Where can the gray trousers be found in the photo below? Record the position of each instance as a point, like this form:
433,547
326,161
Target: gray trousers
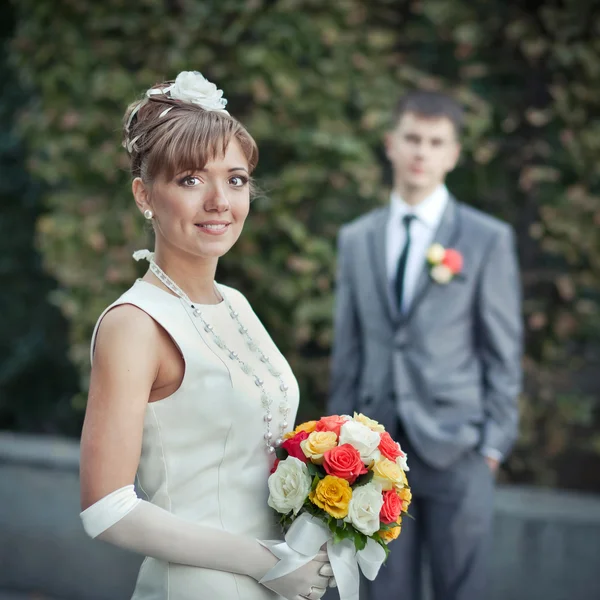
451,529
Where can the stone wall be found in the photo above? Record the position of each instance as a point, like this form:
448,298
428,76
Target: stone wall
547,544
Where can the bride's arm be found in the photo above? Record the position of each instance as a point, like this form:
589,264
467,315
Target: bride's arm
126,366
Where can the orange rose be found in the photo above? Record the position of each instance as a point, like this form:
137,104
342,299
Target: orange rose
453,260
388,447
333,423
344,461
392,507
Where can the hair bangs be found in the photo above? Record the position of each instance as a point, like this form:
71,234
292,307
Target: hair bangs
191,140
187,143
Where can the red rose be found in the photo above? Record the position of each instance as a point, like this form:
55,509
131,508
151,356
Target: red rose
389,448
392,507
453,260
277,461
333,423
344,462
292,446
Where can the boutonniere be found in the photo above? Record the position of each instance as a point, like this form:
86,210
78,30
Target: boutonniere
444,263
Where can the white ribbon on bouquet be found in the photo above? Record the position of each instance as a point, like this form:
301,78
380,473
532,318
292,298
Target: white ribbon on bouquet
304,540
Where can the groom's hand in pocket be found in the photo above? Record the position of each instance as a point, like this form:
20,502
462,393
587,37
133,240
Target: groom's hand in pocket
493,464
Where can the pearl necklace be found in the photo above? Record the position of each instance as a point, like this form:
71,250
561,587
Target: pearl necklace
266,399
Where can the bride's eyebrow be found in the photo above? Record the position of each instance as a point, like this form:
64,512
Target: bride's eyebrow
205,170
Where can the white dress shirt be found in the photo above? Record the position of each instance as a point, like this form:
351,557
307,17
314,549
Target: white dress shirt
428,215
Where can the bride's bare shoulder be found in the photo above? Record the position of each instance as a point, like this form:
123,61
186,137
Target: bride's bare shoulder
126,327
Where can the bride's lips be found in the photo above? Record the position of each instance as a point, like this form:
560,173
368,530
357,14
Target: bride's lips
213,227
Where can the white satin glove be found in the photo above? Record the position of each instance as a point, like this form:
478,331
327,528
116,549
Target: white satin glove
309,582
123,519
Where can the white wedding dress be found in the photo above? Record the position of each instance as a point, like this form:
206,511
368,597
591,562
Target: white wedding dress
203,452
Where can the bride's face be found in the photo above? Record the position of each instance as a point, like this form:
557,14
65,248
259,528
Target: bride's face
202,212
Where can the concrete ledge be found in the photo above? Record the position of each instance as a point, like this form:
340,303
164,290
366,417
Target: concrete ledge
547,542
540,504
51,452
44,551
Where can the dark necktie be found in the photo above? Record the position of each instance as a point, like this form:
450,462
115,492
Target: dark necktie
406,221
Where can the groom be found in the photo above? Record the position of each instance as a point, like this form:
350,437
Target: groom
427,341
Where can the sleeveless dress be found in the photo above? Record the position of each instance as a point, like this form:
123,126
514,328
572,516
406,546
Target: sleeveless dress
203,452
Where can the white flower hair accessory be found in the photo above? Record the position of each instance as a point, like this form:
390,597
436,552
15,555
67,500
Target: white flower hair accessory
194,88
190,87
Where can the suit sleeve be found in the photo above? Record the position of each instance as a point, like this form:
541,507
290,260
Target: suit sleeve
500,336
347,352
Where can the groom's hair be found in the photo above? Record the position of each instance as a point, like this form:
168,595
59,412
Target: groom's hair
425,103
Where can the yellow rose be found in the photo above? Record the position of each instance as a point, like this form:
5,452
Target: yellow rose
387,473
332,494
406,496
309,427
370,423
390,535
317,443
435,254
403,482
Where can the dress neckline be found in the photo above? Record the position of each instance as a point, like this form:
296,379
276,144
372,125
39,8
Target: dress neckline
178,299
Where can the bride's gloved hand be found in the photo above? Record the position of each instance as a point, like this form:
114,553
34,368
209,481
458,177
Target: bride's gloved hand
308,582
123,519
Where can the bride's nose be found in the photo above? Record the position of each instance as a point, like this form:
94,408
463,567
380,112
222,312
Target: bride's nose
217,200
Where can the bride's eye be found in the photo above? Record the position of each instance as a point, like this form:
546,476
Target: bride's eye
238,181
189,181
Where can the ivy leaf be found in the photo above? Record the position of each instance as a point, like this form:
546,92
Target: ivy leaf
340,534
363,479
281,453
313,470
360,540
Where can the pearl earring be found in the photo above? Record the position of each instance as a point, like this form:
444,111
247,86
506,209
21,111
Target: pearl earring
148,214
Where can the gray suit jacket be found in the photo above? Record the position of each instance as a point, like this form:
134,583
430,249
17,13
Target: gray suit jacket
451,367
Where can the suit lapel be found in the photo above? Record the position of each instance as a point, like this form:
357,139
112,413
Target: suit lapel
446,235
378,249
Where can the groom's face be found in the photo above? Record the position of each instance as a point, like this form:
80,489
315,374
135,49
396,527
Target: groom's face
422,150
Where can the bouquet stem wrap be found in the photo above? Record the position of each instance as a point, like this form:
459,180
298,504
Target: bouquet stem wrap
304,540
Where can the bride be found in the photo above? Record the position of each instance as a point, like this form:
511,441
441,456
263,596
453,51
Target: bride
188,392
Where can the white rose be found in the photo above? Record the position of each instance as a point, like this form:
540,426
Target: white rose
441,274
191,86
289,486
402,461
364,508
362,438
435,254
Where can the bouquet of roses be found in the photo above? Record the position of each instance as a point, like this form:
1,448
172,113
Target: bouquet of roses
345,479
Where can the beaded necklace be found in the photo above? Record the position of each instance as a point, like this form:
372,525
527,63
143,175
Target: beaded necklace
265,398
